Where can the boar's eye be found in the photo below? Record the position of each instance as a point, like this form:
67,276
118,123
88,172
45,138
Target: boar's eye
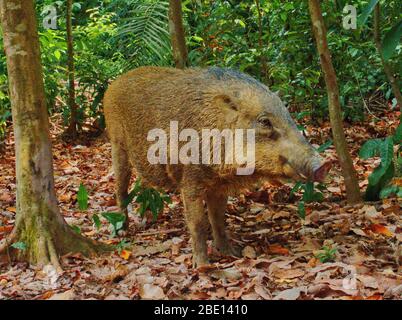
265,122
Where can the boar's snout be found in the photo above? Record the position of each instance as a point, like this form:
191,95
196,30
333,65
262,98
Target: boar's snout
314,170
321,171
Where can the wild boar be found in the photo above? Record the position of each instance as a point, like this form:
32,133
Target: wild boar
152,98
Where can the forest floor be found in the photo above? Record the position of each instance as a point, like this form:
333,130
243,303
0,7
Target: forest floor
280,249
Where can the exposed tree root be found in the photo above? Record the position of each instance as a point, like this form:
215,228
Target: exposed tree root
46,247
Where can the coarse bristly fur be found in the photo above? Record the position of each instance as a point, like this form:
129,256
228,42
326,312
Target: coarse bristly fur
215,98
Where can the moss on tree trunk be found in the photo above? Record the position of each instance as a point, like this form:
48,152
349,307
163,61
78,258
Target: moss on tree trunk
39,224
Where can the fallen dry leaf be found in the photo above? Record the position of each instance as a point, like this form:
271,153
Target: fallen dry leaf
151,292
290,294
249,252
277,249
125,254
380,229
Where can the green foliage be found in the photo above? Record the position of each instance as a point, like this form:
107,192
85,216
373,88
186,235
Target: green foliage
324,146
366,12
53,55
326,254
143,31
111,37
380,178
96,63
310,195
19,245
116,220
148,198
301,210
153,200
370,149
397,138
76,229
391,40
122,245
393,36
227,34
309,192
5,107
96,220
391,190
82,198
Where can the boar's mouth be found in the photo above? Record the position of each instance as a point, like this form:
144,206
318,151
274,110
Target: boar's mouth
321,171
315,170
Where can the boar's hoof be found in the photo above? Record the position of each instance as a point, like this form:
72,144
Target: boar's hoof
199,261
229,250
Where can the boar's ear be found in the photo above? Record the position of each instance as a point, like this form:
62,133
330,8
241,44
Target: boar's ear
226,102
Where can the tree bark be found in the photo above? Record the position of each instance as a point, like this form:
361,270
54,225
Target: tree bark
72,129
349,173
177,34
39,224
387,68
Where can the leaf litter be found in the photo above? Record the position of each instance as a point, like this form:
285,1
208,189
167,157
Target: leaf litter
279,248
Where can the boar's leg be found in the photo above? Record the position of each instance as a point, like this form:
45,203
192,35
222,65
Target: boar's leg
198,225
122,172
216,203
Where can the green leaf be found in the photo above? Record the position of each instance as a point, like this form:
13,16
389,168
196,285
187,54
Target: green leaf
295,188
96,220
324,146
82,198
370,148
122,245
386,150
326,254
57,54
390,190
308,192
301,115
76,229
391,40
366,12
116,219
153,200
301,210
133,193
76,6
310,195
398,135
19,246
373,189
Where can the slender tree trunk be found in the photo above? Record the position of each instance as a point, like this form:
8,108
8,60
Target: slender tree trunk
39,224
177,34
264,64
335,114
72,129
387,68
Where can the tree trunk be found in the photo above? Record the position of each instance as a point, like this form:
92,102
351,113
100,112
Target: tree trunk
349,173
39,224
72,129
176,28
387,68
263,59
